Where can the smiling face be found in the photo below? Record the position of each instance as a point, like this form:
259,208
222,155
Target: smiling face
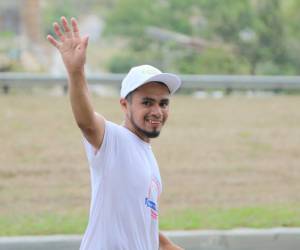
146,110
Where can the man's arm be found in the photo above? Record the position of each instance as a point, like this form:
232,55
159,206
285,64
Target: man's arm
166,244
72,48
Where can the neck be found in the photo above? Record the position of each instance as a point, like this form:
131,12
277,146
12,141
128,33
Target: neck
130,127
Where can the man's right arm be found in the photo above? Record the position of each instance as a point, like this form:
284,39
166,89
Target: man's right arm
90,123
72,48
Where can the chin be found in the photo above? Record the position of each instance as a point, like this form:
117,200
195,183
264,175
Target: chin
151,134
154,135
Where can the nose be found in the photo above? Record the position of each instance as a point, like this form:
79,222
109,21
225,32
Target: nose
156,111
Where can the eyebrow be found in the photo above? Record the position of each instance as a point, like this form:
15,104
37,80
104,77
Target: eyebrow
153,100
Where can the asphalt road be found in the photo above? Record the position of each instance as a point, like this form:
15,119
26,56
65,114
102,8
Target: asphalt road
238,239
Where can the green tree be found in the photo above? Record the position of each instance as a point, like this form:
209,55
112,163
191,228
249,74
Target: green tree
257,33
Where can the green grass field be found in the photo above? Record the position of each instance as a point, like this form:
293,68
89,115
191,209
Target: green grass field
187,219
226,163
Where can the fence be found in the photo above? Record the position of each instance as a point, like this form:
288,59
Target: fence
226,83
236,239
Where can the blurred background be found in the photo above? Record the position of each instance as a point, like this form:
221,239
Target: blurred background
190,37
229,155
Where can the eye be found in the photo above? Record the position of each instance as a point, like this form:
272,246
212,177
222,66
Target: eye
164,104
146,103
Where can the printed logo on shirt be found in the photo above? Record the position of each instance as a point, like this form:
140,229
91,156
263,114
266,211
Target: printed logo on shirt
152,198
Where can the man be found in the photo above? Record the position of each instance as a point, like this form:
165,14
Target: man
125,177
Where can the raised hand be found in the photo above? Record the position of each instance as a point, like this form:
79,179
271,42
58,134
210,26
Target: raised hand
71,46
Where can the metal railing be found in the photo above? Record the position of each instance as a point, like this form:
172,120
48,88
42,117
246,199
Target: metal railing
193,82
235,239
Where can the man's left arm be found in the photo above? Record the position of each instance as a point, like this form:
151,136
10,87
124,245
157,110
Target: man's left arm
166,244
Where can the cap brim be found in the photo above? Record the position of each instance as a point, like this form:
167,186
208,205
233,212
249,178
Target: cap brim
172,81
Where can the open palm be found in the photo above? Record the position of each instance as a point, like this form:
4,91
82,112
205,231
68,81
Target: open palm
71,46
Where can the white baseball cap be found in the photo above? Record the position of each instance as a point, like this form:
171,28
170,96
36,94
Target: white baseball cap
140,75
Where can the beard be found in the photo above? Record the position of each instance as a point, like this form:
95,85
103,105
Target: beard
149,134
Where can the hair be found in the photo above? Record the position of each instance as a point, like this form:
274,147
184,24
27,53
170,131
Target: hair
129,95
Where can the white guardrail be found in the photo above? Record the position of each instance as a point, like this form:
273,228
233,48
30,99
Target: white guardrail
235,239
196,82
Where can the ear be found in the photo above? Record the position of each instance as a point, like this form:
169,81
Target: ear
124,104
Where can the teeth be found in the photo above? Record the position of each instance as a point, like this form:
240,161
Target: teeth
154,122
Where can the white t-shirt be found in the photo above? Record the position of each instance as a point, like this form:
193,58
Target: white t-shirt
125,185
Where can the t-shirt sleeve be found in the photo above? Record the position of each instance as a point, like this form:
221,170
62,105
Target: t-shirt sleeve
97,157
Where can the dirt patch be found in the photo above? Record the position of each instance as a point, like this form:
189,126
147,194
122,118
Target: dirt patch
212,153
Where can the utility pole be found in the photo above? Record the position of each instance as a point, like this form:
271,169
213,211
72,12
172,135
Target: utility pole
31,21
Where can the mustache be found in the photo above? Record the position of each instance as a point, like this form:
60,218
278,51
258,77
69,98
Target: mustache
154,118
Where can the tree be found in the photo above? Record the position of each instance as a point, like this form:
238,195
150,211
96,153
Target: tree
250,33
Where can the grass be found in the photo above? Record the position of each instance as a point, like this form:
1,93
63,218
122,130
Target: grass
217,218
232,162
43,224
187,219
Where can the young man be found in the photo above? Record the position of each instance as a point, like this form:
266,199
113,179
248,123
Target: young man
125,177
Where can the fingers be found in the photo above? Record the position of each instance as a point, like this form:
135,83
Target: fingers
66,33
85,41
66,27
75,27
54,42
58,32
